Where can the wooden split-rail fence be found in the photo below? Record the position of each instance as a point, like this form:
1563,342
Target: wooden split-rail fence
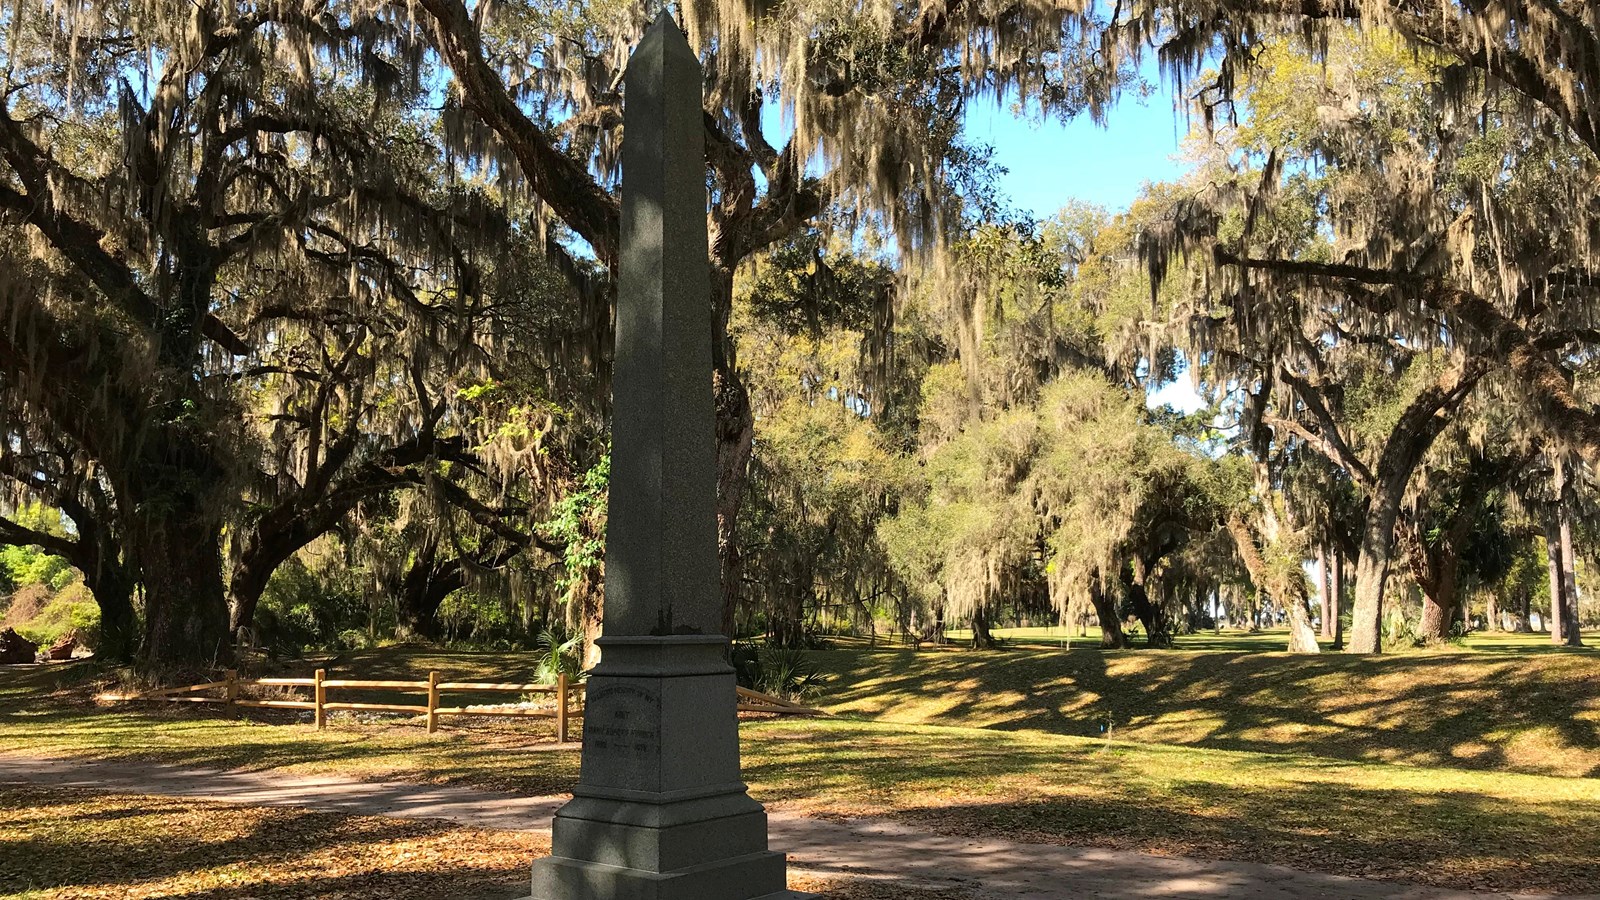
231,686
564,710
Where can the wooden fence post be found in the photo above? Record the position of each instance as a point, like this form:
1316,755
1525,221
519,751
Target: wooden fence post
231,689
433,702
561,708
321,697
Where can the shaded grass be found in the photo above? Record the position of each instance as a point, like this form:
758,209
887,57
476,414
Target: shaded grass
36,719
1476,710
1445,826
1494,707
1436,826
64,843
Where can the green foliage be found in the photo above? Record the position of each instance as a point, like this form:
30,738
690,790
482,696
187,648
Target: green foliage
781,672
22,566
559,654
803,283
577,521
479,619
70,609
314,601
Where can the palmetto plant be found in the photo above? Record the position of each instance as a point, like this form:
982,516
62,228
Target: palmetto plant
559,654
789,674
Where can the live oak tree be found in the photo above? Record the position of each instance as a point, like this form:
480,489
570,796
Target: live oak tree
1433,218
874,94
824,470
244,284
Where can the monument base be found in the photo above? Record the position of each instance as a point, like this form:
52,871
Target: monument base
739,878
659,812
705,848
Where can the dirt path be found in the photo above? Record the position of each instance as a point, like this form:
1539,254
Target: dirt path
859,848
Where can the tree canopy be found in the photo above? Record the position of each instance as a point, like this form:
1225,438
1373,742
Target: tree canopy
307,318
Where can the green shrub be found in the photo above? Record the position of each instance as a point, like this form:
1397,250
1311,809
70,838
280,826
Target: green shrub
559,654
313,601
71,609
790,674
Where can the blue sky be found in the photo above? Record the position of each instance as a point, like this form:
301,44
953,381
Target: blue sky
1050,163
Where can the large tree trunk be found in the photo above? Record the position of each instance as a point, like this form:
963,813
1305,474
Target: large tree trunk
982,637
1570,635
112,583
1555,621
1441,593
1157,632
1436,618
1302,637
1330,603
423,591
186,609
1373,565
1105,609
249,579
119,626
1338,599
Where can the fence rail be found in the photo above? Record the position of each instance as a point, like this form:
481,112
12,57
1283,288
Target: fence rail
564,710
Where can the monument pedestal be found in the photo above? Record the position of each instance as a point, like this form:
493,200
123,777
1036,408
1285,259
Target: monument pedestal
659,812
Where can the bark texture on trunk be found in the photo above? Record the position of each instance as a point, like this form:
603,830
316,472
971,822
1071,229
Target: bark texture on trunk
423,591
1325,584
1338,599
982,637
1158,633
1372,578
119,625
1302,637
1555,621
1105,609
186,609
1570,635
1297,605
1408,441
1436,620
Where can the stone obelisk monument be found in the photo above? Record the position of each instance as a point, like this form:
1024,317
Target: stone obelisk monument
659,812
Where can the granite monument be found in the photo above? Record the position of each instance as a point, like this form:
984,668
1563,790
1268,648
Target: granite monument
659,812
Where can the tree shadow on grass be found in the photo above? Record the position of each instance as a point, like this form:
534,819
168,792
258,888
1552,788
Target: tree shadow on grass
1460,841
182,735
1432,826
72,842
1474,711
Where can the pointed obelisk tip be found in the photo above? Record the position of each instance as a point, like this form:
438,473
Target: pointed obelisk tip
666,29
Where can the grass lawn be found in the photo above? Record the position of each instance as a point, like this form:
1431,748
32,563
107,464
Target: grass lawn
1431,824
1537,713
1481,709
68,844
1052,637
62,843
